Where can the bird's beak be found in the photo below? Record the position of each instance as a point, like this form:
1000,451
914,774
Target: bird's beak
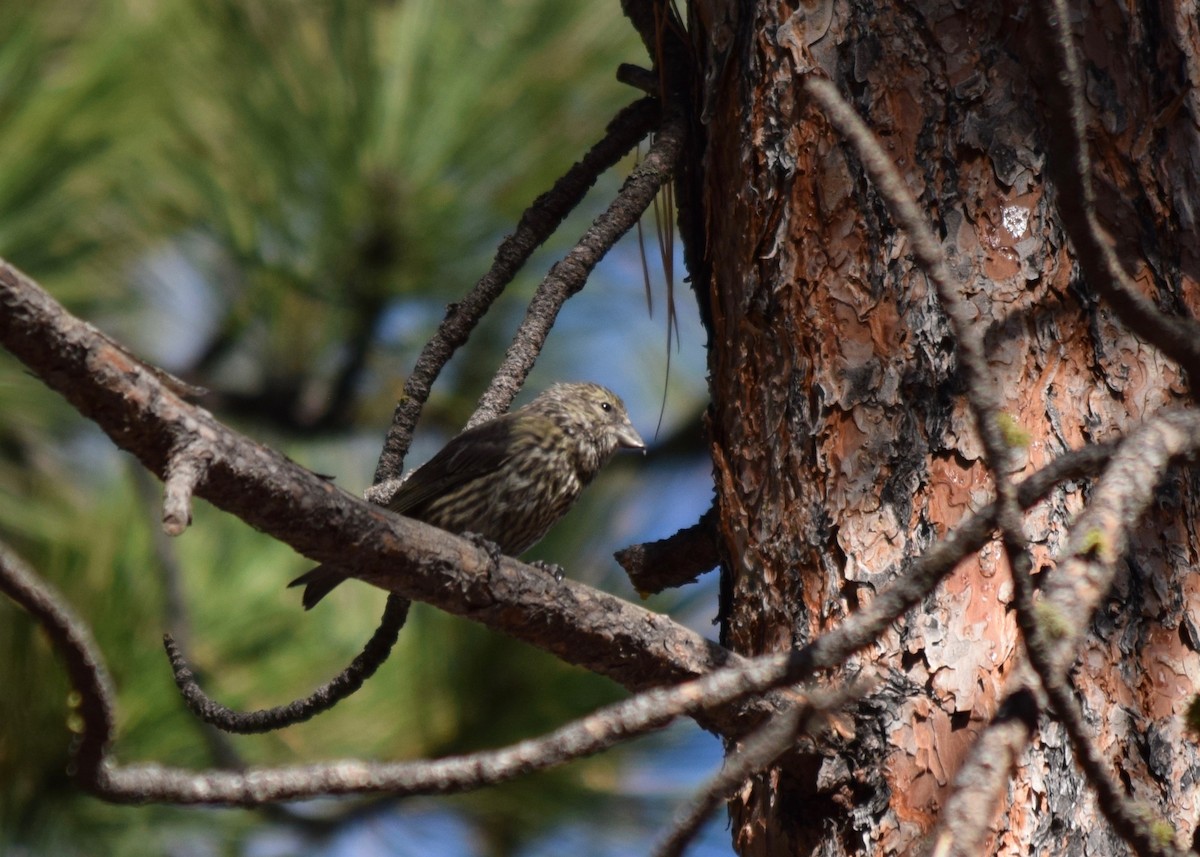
628,437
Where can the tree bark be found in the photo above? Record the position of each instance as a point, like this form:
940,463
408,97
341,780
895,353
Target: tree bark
842,441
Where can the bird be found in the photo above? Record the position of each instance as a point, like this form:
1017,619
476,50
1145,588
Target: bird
507,481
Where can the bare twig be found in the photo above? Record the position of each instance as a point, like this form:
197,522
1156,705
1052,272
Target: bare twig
986,404
175,608
71,636
185,468
349,680
981,782
536,225
1071,168
758,751
570,274
638,77
646,17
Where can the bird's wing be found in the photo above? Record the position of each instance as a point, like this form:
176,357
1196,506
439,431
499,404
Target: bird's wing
474,453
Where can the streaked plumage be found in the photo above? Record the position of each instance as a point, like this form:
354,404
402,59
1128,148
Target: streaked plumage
510,479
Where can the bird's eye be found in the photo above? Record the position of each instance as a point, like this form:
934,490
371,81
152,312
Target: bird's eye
606,406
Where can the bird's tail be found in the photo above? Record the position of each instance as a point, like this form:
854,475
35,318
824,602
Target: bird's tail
317,583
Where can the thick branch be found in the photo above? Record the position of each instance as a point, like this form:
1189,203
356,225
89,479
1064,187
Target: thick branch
674,561
277,496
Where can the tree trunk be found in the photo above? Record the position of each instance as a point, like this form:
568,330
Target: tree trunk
841,437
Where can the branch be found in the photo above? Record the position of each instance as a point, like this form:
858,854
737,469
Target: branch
758,752
97,772
986,404
536,225
186,467
981,782
293,505
71,636
705,698
1071,169
674,561
349,680
570,274
272,493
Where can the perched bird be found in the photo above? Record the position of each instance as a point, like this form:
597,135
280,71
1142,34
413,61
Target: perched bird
510,479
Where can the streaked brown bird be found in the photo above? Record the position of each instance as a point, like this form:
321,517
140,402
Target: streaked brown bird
510,479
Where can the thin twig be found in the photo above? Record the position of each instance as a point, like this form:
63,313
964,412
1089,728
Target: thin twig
1071,167
758,752
536,225
346,682
185,469
73,639
570,274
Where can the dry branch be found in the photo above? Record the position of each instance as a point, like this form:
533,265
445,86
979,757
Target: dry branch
326,524
537,223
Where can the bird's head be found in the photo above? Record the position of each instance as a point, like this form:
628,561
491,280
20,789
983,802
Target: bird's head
593,416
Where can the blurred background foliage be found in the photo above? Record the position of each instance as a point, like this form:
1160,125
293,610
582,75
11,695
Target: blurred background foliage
276,199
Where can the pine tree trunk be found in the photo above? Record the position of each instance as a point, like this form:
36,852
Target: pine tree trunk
842,440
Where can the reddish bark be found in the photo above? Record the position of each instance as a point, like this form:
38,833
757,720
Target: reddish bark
842,441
